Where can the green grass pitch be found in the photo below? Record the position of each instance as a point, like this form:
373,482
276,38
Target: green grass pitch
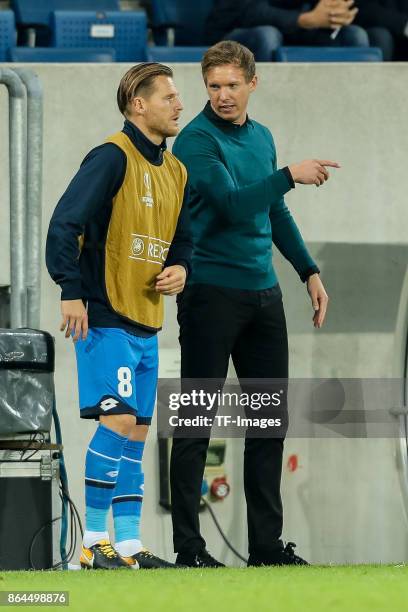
287,589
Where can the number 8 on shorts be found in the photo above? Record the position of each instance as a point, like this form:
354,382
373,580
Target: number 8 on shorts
125,382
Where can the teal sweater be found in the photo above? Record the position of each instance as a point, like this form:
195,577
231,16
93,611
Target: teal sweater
236,204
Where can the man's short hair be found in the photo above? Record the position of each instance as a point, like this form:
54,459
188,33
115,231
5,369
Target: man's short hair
139,81
229,52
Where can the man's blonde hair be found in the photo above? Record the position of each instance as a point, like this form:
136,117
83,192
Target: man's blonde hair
139,81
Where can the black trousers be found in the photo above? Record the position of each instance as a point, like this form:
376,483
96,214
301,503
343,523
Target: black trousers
250,326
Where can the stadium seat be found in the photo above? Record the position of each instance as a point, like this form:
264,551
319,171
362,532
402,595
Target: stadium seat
175,54
124,31
329,54
7,33
185,17
38,12
34,15
54,54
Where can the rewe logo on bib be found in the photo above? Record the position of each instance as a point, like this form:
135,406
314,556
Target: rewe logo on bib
149,249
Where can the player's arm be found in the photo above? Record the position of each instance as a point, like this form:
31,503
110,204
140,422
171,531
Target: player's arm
209,177
178,262
97,182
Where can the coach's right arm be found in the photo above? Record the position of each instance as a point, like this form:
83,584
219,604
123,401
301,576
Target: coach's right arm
209,177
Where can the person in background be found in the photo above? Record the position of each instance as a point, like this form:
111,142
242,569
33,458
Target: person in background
386,22
265,25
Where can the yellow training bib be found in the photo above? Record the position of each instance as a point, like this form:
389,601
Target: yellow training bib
143,222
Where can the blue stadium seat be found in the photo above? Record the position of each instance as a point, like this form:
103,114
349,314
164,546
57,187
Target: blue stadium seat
33,17
54,54
38,12
124,31
329,54
186,17
175,54
7,33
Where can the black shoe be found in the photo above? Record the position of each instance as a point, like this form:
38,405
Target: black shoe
147,560
199,559
285,556
101,555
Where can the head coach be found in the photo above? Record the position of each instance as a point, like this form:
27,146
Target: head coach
232,305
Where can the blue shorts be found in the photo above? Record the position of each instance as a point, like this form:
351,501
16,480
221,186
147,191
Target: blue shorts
117,374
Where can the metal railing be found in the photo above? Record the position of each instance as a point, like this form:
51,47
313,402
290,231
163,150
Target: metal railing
25,152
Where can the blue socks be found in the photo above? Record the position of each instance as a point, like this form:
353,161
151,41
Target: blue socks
101,474
127,500
114,476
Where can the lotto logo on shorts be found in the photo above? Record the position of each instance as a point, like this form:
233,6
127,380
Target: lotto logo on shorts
148,248
108,404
